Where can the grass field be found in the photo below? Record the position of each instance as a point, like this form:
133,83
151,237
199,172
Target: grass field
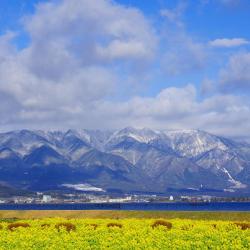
224,216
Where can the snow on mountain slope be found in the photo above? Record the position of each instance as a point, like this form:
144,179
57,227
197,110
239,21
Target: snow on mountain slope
23,141
235,184
131,143
129,149
191,143
144,135
83,187
44,156
220,159
6,153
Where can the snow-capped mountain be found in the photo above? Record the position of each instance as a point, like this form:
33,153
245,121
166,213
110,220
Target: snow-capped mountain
127,160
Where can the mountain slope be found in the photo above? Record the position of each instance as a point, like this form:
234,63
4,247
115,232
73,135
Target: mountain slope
110,172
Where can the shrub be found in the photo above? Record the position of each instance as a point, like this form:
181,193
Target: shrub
114,225
13,226
1,227
68,226
242,225
164,223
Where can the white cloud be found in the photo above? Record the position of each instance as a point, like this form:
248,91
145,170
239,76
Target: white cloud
175,15
228,43
79,55
118,49
208,86
182,54
6,48
236,75
180,108
84,26
77,49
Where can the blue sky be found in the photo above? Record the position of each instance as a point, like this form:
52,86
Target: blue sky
160,64
208,21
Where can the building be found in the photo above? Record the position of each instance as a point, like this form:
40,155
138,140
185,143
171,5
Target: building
47,198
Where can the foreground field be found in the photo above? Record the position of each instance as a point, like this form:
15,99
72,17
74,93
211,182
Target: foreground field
58,233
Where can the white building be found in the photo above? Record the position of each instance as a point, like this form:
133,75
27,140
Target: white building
46,198
126,199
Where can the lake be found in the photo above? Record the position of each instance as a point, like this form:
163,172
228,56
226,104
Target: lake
178,206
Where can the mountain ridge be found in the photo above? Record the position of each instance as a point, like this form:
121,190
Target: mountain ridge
154,160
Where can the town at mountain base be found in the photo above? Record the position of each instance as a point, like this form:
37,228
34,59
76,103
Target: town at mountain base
127,160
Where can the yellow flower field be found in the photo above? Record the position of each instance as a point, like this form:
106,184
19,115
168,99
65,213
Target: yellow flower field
119,234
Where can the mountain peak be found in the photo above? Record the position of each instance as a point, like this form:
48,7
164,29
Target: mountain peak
141,135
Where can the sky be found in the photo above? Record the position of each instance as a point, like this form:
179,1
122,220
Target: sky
102,64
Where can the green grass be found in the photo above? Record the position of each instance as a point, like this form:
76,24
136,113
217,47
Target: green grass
226,216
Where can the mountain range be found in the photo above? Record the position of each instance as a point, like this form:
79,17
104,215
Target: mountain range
127,160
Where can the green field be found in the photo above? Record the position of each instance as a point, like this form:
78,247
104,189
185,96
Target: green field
232,216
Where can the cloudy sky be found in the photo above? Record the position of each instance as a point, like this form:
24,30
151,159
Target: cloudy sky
102,64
